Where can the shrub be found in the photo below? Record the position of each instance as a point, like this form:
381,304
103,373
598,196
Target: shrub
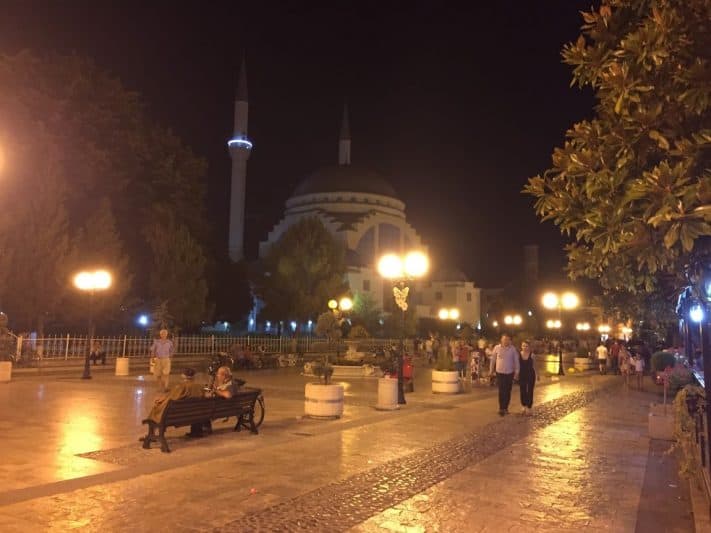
662,360
444,361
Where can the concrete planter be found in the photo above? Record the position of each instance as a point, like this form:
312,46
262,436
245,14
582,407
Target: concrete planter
5,371
323,401
661,424
445,382
122,366
583,363
387,394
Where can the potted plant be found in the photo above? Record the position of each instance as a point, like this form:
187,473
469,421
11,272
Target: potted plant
445,379
324,399
661,420
6,348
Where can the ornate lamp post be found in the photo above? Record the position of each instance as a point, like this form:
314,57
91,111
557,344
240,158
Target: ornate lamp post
90,282
400,270
567,301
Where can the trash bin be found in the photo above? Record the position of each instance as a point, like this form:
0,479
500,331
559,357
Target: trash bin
122,366
387,394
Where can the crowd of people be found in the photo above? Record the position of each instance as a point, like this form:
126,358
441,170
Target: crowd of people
619,358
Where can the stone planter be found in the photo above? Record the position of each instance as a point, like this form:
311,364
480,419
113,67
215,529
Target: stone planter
387,394
5,371
583,363
323,401
445,382
661,424
122,366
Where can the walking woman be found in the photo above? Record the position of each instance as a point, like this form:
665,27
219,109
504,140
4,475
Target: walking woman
527,377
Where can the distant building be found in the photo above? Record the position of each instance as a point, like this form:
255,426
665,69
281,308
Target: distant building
362,211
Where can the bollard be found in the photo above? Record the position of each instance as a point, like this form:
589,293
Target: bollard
122,366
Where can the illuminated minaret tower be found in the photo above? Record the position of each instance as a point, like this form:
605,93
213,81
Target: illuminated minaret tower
240,147
344,140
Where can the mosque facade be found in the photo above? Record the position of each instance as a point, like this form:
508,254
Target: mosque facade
363,213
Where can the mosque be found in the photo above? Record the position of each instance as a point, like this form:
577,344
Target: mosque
362,211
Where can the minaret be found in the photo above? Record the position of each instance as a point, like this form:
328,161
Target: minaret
240,147
344,140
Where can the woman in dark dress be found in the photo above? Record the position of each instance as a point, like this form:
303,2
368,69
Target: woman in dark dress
526,378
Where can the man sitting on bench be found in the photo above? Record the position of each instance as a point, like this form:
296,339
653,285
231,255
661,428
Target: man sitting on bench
223,387
186,389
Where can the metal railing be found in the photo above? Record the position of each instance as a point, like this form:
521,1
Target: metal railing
69,346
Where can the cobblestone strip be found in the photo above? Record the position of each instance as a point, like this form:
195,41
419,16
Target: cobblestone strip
346,503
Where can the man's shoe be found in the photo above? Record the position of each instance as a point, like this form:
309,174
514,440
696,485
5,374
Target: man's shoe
501,412
506,411
523,411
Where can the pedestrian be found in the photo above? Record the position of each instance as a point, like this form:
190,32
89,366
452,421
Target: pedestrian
461,354
505,362
97,353
624,359
162,352
639,370
527,377
615,356
428,349
601,352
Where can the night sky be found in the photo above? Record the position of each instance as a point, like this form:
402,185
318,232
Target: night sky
455,107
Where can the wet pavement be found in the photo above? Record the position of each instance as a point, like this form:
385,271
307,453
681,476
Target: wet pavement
442,463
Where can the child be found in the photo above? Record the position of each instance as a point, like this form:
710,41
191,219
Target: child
639,370
475,366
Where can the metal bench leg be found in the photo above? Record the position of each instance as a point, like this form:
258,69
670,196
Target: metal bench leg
252,426
239,424
163,443
149,437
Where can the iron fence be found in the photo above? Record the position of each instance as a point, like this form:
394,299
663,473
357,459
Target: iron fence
75,346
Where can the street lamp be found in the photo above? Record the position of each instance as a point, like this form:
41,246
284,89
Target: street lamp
568,300
400,270
340,308
448,314
582,326
513,320
90,282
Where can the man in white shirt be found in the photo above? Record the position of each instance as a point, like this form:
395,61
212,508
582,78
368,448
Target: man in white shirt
601,352
505,361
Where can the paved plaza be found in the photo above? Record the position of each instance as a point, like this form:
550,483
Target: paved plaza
583,461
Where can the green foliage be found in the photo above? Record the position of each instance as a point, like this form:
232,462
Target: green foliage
327,325
662,360
161,318
177,274
67,126
301,272
365,312
324,370
36,235
632,185
444,362
358,332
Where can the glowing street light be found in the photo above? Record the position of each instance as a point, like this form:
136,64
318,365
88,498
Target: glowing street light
345,304
568,300
400,270
582,326
90,282
513,320
448,314
553,324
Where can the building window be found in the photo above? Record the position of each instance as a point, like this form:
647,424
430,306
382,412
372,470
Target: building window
366,285
469,297
438,296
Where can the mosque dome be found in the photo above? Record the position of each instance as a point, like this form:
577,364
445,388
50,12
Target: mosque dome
344,178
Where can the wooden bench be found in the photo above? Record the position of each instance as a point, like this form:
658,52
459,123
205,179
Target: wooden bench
190,411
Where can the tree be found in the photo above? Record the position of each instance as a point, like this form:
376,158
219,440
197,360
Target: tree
102,145
632,186
327,325
366,313
35,233
177,273
301,273
98,245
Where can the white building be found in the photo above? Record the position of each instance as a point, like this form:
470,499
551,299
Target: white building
363,212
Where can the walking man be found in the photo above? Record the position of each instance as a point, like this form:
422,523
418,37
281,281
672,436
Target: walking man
504,360
162,350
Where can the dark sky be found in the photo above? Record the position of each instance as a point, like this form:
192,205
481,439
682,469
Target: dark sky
456,107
